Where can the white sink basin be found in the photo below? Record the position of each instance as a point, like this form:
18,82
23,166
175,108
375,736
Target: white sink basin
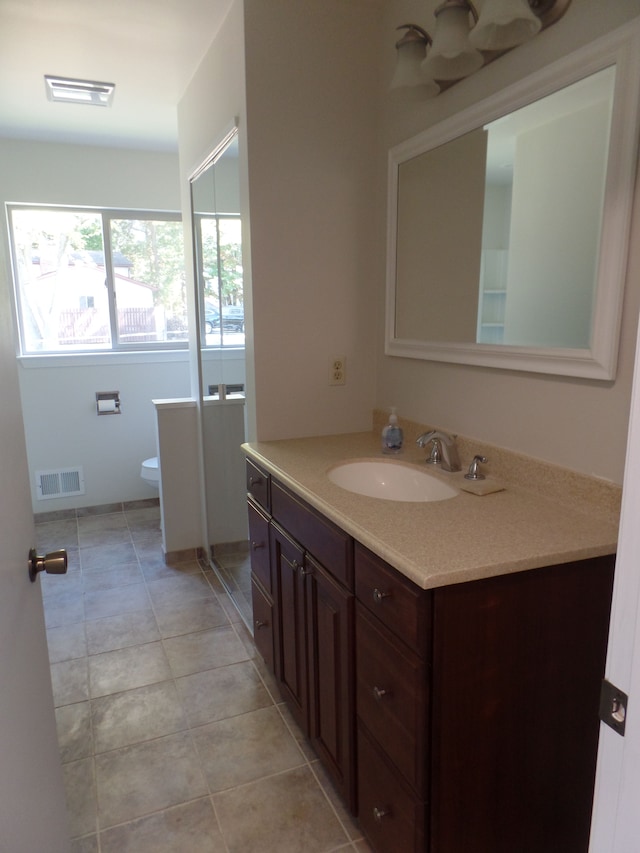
391,480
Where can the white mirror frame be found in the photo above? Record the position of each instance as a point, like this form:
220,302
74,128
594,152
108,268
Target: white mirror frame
622,49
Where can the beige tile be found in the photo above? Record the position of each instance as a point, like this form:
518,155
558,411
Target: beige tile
103,530
178,589
137,780
203,650
186,617
287,813
120,631
87,844
222,692
244,748
63,610
126,669
112,578
57,534
70,681
188,828
80,791
66,642
111,602
136,715
73,723
103,556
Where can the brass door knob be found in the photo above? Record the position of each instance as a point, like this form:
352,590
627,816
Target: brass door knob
53,563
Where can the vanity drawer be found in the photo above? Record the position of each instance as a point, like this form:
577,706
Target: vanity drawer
332,547
391,697
259,545
259,485
391,817
262,623
398,603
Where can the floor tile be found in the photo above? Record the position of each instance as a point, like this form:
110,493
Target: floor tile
113,577
186,617
87,844
111,602
223,692
136,715
118,632
64,610
280,814
66,642
80,790
203,650
189,828
57,534
178,589
70,681
244,748
137,780
126,669
103,530
73,723
103,556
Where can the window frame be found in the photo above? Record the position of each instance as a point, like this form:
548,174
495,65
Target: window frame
106,214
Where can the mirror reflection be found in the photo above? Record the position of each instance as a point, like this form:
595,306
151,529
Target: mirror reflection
498,230
216,222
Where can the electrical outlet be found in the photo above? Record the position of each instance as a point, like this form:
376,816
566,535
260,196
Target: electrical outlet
337,370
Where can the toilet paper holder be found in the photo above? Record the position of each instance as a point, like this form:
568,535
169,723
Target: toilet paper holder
108,402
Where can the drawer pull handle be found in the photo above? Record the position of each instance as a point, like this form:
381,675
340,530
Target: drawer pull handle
257,545
379,693
378,595
255,481
260,624
304,571
378,814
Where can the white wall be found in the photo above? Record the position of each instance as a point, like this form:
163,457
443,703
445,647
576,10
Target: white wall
577,423
61,424
312,84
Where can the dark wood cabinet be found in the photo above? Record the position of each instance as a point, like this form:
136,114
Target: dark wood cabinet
458,719
308,587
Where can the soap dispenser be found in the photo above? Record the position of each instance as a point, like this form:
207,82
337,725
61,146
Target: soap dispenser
392,436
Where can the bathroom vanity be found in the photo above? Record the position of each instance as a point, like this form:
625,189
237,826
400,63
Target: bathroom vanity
443,659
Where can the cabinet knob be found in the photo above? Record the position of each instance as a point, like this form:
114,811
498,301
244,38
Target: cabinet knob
257,545
258,624
378,595
255,481
378,814
380,692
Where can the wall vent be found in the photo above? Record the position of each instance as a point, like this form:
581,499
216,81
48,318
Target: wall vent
59,483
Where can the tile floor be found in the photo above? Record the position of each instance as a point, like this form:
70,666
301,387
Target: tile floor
172,735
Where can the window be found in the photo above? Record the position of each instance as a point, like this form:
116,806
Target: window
219,250
89,280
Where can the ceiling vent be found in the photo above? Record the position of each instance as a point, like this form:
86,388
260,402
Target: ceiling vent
70,91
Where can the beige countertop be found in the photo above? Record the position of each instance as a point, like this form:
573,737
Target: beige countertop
467,537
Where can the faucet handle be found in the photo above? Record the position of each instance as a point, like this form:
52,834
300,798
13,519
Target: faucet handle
474,472
435,456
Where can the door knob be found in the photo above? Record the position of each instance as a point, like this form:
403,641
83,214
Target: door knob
53,563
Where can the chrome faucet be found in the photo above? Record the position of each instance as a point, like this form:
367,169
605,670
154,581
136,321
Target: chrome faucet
444,451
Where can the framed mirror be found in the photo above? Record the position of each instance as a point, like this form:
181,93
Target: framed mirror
508,223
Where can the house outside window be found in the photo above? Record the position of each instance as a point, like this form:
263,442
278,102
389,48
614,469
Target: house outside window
89,280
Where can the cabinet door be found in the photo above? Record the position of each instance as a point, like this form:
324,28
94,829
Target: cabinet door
287,567
331,703
262,622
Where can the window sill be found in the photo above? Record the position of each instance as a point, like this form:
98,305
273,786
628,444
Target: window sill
95,359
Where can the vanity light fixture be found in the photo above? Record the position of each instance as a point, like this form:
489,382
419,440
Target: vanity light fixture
464,41
70,91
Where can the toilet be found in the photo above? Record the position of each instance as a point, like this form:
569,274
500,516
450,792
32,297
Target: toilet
150,473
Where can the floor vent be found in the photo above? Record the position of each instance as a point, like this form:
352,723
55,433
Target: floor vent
60,483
